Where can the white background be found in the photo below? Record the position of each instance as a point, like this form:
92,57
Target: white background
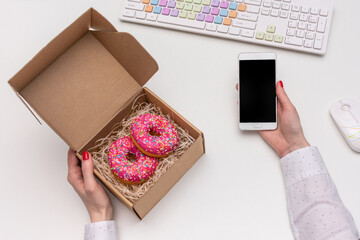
236,190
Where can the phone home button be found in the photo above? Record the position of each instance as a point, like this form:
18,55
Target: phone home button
257,125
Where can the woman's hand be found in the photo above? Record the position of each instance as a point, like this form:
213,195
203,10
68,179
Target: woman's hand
82,179
289,135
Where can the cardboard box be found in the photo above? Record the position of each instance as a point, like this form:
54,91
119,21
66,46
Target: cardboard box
86,80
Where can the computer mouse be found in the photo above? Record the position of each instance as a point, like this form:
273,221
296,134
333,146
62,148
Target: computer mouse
346,115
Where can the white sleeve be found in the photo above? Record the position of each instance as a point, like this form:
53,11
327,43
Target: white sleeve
105,230
315,208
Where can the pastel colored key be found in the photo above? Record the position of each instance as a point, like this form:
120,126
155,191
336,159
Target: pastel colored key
197,8
171,4
242,7
206,2
215,11
149,8
145,1
271,28
218,20
188,1
227,21
183,14
260,35
200,17
279,38
233,6
180,5
188,7
224,12
206,9
163,3
154,2
224,4
269,36
215,3
209,18
174,13
157,10
191,15
233,14
180,0
166,11
197,1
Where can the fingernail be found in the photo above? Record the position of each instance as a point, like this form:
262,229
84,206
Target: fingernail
86,155
281,84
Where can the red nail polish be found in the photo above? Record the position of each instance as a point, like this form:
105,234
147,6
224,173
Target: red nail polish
86,155
281,84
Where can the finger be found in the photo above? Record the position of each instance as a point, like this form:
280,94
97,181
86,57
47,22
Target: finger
237,87
72,161
87,168
282,96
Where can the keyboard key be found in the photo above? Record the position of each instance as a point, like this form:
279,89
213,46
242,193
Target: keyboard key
234,31
154,2
218,20
242,7
244,24
314,11
323,12
206,2
223,29
180,5
163,3
276,5
166,11
300,33
292,24
224,4
211,27
171,4
215,3
191,15
248,17
215,11
247,33
174,13
294,16
287,1
227,21
301,25
206,10
188,7
308,43
305,9
140,15
290,32
303,17
209,18
283,14
224,12
233,14
267,3
181,22
265,11
279,38
311,27
274,12
313,19
294,41
318,41
309,35
149,8
295,8
253,2
135,1
129,13
188,1
252,9
183,14
269,36
151,17
285,6
197,8
260,35
233,6
197,1
271,28
157,10
134,6
321,25
200,17
145,1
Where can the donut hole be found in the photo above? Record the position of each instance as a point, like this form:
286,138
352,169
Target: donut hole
131,157
154,133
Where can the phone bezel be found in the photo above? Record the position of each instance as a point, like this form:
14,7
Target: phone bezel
257,125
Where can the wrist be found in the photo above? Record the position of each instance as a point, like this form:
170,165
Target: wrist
101,215
300,143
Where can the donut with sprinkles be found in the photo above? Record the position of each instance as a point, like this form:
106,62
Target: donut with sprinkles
154,135
127,171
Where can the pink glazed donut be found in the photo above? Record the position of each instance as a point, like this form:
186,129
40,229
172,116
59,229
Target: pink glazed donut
154,135
125,170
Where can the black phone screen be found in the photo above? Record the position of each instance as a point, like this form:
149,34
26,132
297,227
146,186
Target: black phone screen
257,91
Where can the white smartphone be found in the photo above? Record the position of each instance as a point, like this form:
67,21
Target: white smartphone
257,91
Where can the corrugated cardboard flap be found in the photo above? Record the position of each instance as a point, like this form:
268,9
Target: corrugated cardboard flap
84,77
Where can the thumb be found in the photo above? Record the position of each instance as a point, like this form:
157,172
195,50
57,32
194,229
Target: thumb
282,96
87,168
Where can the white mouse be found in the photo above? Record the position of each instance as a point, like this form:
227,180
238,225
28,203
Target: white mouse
346,114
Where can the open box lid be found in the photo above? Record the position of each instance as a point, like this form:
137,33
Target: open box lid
83,78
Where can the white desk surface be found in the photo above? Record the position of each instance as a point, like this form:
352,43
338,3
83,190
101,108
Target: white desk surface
236,190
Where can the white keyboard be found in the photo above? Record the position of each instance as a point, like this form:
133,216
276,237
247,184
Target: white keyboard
301,25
